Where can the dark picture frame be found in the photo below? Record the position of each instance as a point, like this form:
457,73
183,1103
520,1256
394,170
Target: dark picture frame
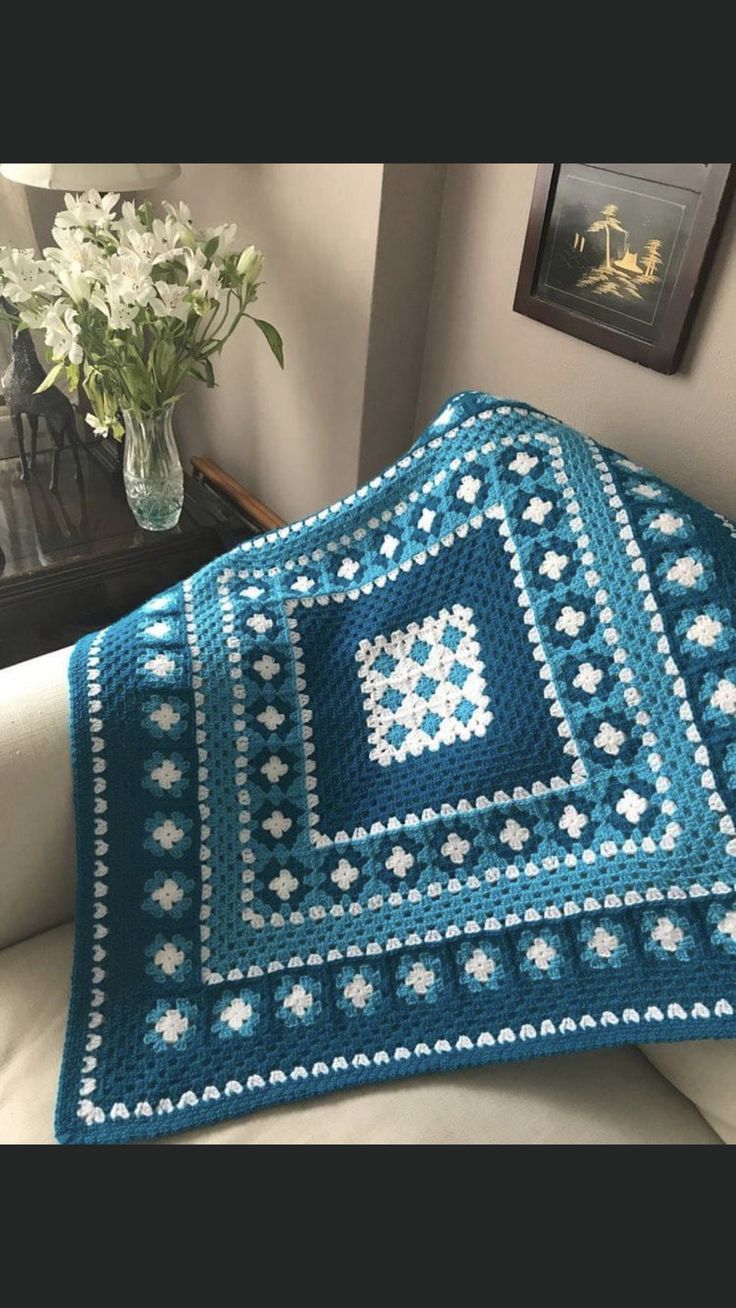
618,254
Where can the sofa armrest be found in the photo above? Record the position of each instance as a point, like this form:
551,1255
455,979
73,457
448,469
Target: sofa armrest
37,858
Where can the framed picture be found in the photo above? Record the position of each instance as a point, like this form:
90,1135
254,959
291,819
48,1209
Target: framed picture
617,254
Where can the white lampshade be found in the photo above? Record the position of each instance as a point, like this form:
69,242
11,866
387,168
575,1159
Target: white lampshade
85,176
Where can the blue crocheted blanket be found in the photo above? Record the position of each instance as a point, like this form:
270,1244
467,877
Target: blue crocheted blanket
443,775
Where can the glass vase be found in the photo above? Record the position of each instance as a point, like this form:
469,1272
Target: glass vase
152,471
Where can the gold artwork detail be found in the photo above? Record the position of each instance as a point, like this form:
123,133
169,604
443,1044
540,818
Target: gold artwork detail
623,270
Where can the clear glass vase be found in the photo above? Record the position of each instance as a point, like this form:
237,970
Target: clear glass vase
152,471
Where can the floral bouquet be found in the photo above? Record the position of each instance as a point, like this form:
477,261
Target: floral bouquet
131,306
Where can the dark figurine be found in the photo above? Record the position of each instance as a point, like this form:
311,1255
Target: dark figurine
20,380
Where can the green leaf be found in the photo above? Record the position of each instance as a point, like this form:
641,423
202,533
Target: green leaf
209,372
211,246
72,375
49,379
273,338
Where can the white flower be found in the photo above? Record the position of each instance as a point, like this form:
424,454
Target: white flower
570,621
685,571
171,302
168,894
420,979
161,665
252,592
344,874
259,623
727,924
24,276
271,718
225,233
389,546
62,335
284,884
358,991
299,1000
171,1025
348,569
480,965
399,861
166,774
210,287
514,835
250,264
541,953
632,806
425,520
572,822
167,834
667,523
129,279
99,427
553,565
277,824
704,631
724,696
609,738
667,935
87,210
523,463
237,1014
455,848
536,510
165,717
302,584
587,678
169,958
603,942
274,768
267,667
649,492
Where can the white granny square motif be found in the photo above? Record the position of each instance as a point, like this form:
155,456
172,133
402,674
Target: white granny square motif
423,686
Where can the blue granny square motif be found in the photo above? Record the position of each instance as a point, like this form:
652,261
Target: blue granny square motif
443,775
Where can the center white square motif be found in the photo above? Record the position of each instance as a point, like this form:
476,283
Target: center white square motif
423,686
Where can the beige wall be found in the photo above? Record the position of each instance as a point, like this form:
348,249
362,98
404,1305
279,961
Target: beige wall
682,426
292,437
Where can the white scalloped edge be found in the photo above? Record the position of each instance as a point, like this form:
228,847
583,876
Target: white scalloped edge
524,1032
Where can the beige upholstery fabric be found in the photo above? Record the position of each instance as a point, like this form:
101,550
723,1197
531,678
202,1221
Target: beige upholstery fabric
705,1071
609,1097
36,822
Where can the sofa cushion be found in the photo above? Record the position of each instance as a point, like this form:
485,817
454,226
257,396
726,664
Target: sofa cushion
607,1097
36,811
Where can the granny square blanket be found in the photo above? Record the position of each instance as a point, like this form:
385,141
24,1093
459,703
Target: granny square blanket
443,775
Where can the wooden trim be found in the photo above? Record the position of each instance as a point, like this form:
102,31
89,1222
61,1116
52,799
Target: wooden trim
258,513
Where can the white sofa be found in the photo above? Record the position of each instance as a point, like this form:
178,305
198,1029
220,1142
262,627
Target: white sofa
663,1094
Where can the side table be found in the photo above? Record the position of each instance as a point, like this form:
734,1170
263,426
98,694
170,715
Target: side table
76,560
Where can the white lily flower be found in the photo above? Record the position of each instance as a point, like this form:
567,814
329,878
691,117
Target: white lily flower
87,210
196,265
225,234
171,302
98,427
61,335
209,287
25,276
